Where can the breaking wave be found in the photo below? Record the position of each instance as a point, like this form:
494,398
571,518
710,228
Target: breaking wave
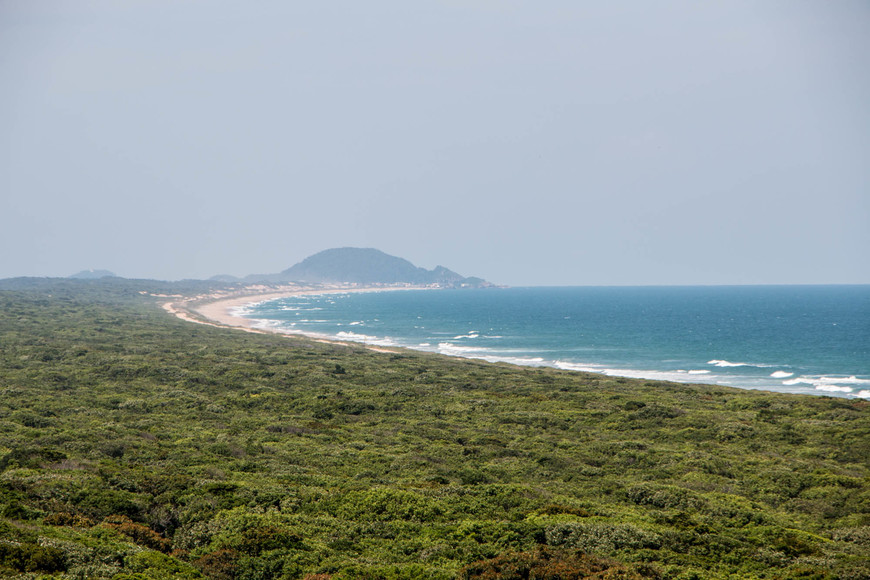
595,330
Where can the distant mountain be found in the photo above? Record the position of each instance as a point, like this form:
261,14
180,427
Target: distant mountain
93,275
366,266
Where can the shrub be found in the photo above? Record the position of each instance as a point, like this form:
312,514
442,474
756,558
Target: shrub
67,519
546,564
33,457
665,497
28,557
254,541
100,502
141,535
394,572
859,535
219,565
148,565
601,537
385,504
555,509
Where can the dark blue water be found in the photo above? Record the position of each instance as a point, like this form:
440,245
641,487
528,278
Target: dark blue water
798,339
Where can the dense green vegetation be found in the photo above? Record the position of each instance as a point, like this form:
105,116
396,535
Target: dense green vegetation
135,445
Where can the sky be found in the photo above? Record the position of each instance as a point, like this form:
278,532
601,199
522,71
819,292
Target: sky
529,143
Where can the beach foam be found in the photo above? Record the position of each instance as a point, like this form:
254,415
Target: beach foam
781,374
366,338
853,380
678,376
457,350
833,389
569,366
831,384
725,363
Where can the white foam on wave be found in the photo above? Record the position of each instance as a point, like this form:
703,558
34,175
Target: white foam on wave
471,334
678,376
567,366
781,374
830,384
853,380
456,349
354,336
485,354
366,338
725,363
514,360
242,311
356,323
833,389
265,323
817,380
865,394
249,307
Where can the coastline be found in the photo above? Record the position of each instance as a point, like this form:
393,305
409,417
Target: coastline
217,309
223,309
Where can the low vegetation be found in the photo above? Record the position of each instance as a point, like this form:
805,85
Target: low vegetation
134,446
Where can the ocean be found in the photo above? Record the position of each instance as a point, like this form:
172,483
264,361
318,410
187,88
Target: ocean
794,339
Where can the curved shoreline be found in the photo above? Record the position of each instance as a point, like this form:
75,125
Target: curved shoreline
217,309
220,309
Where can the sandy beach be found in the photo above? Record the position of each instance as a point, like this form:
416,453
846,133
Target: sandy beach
218,309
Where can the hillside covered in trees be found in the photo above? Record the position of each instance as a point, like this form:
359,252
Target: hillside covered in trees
134,445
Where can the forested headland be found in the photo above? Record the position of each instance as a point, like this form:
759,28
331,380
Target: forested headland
134,445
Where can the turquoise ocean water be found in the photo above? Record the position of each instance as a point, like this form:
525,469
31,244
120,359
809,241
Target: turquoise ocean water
796,339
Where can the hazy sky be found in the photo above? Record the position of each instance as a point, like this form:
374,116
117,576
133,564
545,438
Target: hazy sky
530,143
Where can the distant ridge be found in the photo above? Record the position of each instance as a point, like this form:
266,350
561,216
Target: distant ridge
366,266
224,278
93,275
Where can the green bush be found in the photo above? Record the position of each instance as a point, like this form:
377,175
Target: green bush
29,557
385,504
549,564
596,537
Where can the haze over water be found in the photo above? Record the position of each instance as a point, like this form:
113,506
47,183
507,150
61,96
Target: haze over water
796,339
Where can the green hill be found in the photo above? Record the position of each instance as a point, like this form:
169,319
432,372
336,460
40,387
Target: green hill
93,274
134,445
366,266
